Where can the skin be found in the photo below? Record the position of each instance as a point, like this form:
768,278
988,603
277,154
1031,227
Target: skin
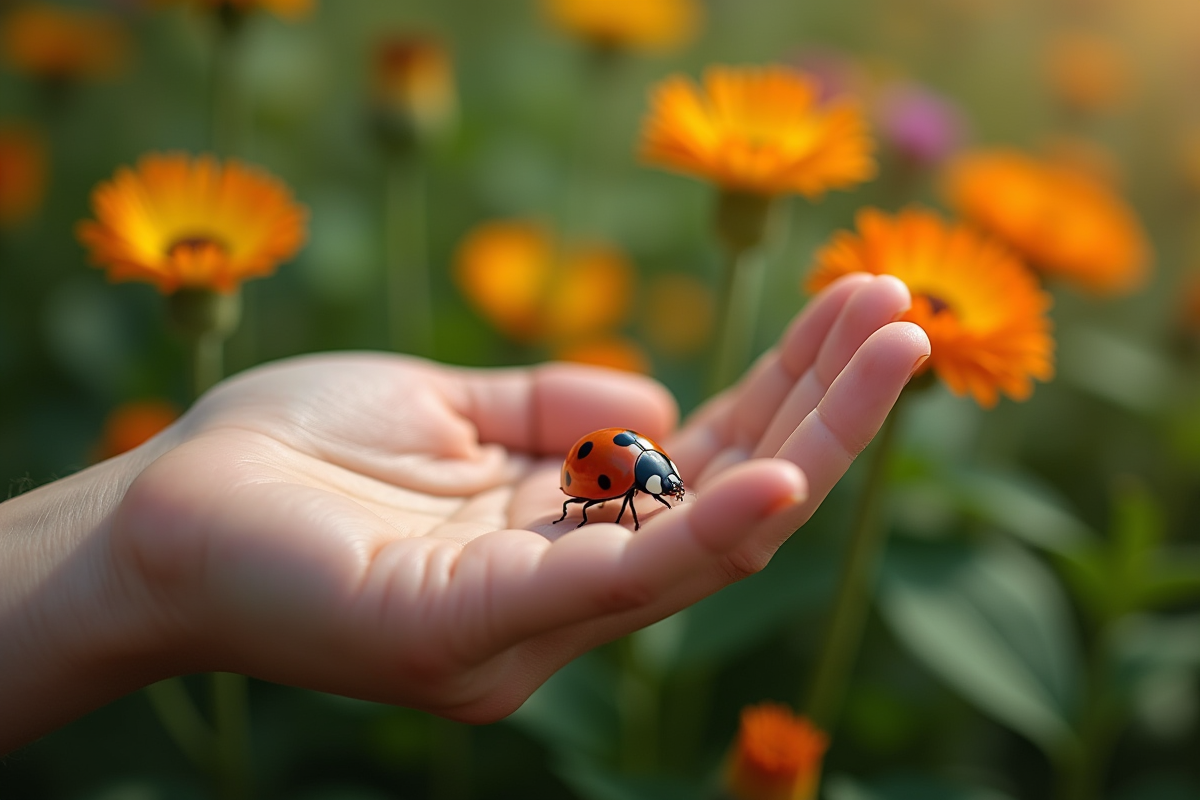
380,526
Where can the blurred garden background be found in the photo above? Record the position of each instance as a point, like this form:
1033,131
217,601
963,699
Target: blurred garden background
1034,630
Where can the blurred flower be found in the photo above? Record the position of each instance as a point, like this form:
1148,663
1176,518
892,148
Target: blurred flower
177,221
632,24
757,130
1086,72
515,275
981,307
287,9
679,314
414,88
131,424
615,352
776,756
22,173
60,43
921,125
1065,222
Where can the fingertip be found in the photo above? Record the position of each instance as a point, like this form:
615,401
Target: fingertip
897,288
745,495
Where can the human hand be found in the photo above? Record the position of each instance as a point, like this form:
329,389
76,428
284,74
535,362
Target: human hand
380,526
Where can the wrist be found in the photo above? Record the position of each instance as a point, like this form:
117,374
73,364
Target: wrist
73,634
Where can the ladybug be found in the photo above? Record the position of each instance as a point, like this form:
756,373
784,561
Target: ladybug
616,462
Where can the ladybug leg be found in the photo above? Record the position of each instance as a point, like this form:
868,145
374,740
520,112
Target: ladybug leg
659,498
567,503
624,503
633,508
586,505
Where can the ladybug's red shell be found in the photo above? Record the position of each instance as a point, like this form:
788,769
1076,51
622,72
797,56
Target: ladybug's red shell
598,468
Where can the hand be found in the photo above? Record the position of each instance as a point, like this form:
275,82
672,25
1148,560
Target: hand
381,527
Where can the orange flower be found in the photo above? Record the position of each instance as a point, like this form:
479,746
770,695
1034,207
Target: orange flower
615,352
982,309
1064,221
131,424
515,275
177,221
414,84
64,43
634,24
777,755
1087,72
22,173
757,130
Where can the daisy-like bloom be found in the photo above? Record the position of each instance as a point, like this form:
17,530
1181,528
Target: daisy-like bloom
131,424
414,85
984,312
627,24
1065,222
178,221
22,173
1086,72
516,275
60,43
757,130
777,755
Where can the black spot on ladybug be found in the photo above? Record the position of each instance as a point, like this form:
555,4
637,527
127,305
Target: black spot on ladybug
623,439
605,482
584,449
568,479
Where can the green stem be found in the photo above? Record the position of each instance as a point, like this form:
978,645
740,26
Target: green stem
231,716
409,297
848,617
208,362
1080,766
182,721
638,698
741,296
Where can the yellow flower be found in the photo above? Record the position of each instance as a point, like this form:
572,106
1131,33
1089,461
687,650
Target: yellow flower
983,310
1087,72
516,276
777,755
60,43
1064,221
22,173
757,130
414,84
131,424
633,24
178,222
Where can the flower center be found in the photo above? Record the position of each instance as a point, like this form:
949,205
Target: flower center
936,304
194,245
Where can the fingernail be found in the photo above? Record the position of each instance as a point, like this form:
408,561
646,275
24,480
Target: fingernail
917,366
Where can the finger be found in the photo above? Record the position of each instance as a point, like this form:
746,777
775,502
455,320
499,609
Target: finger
715,425
849,415
602,569
545,409
872,306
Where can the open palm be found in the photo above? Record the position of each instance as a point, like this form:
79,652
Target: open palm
381,526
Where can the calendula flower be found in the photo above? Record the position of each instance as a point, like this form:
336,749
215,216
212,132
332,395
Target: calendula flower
615,352
758,130
62,43
777,755
1086,72
1065,222
627,24
177,221
519,278
131,424
413,87
22,173
983,310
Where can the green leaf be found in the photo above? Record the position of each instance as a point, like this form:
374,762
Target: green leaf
1022,506
993,623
